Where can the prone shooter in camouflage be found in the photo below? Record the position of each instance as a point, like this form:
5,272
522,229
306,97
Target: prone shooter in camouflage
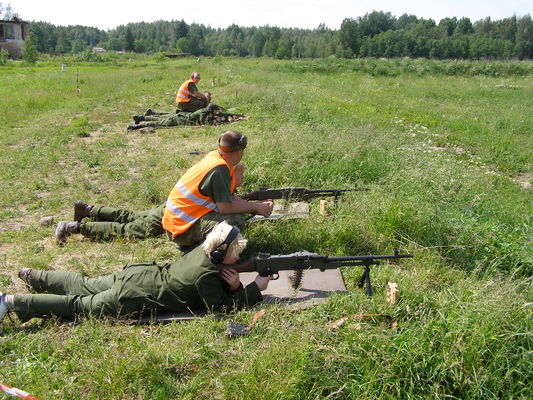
202,279
203,116
209,115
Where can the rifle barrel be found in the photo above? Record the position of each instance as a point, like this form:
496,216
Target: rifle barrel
367,258
333,191
295,192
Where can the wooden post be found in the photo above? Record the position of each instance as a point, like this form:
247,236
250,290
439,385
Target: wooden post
324,207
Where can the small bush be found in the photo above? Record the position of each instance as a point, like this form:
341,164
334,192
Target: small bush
88,55
4,56
80,126
160,57
30,55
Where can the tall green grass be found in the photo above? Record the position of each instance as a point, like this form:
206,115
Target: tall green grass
443,154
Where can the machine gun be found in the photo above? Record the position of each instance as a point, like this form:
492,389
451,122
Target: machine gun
297,193
230,117
224,114
270,265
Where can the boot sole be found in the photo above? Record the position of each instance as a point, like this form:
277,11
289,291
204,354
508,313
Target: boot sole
59,235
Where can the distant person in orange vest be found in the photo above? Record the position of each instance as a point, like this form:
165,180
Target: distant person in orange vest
188,97
203,196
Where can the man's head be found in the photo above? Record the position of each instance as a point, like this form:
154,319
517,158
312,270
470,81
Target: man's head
195,76
232,141
216,238
231,145
208,96
213,108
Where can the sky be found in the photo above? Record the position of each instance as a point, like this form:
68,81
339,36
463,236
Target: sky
307,14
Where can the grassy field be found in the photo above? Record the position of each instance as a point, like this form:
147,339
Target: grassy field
448,160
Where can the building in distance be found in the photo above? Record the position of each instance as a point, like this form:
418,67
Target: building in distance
13,33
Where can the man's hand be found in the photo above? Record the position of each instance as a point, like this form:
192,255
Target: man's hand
240,206
262,281
264,207
200,96
231,277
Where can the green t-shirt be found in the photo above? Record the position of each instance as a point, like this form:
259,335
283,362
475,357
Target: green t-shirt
191,87
217,184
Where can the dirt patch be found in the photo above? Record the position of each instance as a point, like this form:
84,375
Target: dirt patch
525,180
18,223
459,150
103,131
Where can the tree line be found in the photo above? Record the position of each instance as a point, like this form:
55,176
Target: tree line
376,34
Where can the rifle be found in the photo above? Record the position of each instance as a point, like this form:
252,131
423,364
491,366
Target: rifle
222,114
266,264
227,116
297,193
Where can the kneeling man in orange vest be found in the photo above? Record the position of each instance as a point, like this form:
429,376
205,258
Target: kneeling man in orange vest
203,196
188,98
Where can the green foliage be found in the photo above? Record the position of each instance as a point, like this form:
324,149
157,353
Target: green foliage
80,126
161,57
282,53
4,57
89,56
129,40
376,34
30,55
183,45
419,67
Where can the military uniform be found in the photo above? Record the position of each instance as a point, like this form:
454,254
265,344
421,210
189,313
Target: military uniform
110,222
203,116
190,283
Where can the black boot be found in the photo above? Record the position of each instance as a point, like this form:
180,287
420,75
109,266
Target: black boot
138,118
134,127
65,229
149,112
81,210
29,279
24,275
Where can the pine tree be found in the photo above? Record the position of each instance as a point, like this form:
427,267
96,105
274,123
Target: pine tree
129,40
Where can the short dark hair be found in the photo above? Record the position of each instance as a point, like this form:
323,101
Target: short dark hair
213,107
231,141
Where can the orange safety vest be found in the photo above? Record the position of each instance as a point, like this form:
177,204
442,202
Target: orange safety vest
184,95
185,204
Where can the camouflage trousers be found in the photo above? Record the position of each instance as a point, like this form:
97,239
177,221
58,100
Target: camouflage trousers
169,120
192,105
133,290
109,222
